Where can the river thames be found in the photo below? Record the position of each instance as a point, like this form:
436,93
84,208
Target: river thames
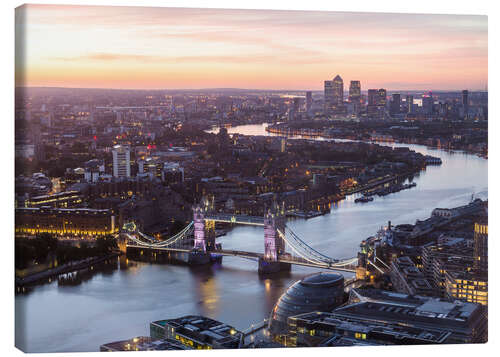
120,303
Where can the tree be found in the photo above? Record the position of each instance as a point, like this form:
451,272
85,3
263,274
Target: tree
49,240
105,244
24,253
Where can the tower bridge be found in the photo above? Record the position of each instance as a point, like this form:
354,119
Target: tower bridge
196,243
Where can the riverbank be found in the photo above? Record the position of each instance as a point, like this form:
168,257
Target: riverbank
379,182
51,273
309,133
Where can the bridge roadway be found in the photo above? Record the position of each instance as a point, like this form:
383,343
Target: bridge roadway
239,219
254,256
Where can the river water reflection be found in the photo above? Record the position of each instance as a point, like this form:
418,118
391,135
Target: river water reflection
120,304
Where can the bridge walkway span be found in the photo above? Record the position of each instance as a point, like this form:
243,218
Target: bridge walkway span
252,256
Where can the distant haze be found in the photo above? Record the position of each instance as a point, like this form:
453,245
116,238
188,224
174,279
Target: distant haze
167,48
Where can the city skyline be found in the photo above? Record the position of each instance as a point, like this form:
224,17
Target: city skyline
179,48
198,179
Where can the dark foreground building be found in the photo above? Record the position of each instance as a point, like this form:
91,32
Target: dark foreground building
467,322
197,332
328,329
142,343
379,317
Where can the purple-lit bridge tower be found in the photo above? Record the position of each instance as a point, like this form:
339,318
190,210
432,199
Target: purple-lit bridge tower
204,234
274,244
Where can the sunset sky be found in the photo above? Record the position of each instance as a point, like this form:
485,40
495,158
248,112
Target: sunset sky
168,48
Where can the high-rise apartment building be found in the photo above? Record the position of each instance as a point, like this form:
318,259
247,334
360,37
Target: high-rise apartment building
121,161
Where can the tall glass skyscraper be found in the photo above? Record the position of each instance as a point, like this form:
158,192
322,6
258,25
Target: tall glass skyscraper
334,94
355,91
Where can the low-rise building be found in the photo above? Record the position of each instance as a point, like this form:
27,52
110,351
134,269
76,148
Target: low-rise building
197,332
408,279
329,329
60,200
467,286
142,343
76,222
467,322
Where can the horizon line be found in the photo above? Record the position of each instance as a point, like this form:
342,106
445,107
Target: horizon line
247,89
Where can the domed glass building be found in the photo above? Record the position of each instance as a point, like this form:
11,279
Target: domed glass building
316,292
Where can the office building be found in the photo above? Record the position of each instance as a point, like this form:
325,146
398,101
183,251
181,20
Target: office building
296,104
408,279
467,286
355,96
329,329
465,101
355,91
121,161
449,255
372,96
62,199
67,222
396,103
450,268
328,94
377,100
309,101
197,332
338,90
143,343
93,170
409,104
172,173
481,247
466,321
153,167
427,104
334,95
382,97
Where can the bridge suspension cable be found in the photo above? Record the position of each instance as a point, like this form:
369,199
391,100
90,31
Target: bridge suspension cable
310,254
174,239
297,250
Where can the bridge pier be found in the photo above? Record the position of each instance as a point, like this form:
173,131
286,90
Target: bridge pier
272,267
198,258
